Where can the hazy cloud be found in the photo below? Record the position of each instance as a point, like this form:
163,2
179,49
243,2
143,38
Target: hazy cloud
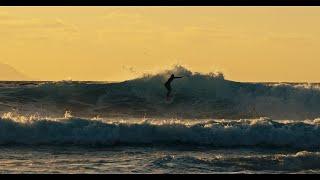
4,16
293,38
34,28
144,26
37,24
119,17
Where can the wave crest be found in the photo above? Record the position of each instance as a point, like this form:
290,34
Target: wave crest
195,96
215,133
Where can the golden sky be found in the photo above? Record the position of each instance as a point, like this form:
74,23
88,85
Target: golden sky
117,43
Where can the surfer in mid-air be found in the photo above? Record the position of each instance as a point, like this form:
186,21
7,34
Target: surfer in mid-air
168,84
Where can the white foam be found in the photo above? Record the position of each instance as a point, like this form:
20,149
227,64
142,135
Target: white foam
223,133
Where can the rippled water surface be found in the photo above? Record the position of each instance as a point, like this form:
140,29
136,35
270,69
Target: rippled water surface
122,159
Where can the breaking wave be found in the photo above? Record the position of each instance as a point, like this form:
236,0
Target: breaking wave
195,96
70,130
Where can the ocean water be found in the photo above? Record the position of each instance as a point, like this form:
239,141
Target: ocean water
159,160
212,125
75,145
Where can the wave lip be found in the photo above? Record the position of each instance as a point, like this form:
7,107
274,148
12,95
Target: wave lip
212,133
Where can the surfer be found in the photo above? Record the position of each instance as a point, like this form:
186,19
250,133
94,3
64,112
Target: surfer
168,84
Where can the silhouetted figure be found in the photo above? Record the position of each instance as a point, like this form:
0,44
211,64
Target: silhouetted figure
168,84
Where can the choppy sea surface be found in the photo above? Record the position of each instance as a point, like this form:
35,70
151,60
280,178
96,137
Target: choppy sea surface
211,125
128,159
77,145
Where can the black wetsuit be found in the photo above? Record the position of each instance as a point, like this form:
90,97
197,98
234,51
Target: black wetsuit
168,84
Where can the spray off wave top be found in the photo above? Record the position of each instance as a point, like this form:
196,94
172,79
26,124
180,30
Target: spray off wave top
195,96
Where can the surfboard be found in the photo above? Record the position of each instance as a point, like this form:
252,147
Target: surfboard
169,99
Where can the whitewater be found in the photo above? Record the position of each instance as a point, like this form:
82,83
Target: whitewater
212,125
170,132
